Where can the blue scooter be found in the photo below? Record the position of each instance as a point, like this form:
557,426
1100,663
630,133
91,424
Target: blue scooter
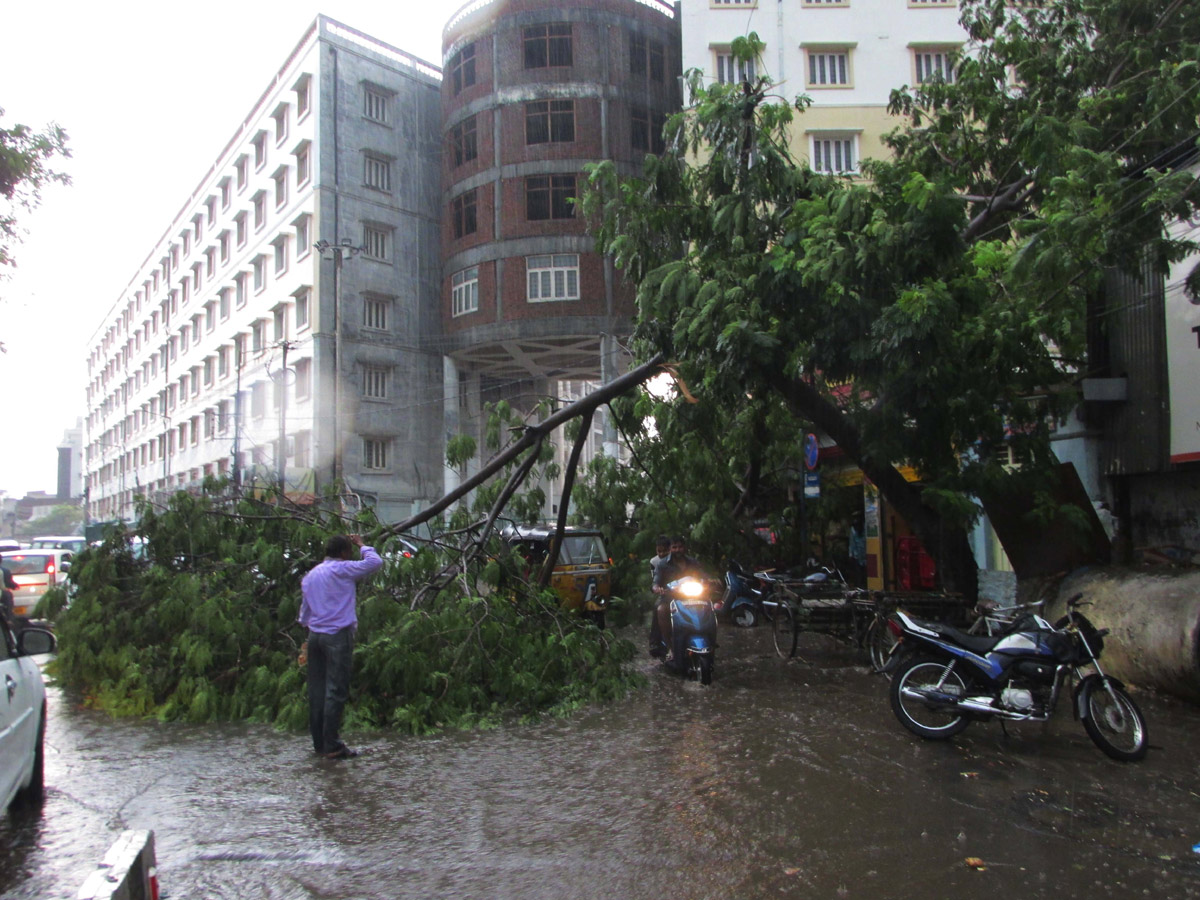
693,629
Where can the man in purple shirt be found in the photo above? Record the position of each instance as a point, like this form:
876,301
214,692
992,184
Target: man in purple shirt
327,611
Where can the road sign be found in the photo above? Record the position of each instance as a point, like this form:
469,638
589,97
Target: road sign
811,451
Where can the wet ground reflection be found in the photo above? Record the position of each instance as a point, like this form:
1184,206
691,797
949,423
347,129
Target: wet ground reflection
782,780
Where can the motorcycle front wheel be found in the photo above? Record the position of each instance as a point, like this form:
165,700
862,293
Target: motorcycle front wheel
706,669
921,691
1114,722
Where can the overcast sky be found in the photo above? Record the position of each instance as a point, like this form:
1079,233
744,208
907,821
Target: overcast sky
149,93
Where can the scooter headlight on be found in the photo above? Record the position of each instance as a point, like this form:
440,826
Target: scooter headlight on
691,589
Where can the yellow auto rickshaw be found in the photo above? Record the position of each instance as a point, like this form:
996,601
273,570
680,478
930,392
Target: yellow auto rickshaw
582,577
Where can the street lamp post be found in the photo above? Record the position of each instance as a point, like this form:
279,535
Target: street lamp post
340,251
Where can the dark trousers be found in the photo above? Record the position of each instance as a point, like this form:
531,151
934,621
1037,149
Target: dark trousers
329,657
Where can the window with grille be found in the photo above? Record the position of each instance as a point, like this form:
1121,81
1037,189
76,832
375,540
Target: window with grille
303,378
549,121
375,242
462,69
828,67
933,63
260,210
375,382
375,453
303,159
462,209
375,312
826,2
833,154
302,297
375,104
932,2
553,277
377,173
260,149
549,197
464,291
462,141
731,70
547,45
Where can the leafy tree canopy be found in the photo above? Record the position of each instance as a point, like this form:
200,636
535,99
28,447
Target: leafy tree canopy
25,160
932,311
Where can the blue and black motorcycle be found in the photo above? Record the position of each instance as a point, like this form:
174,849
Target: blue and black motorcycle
693,629
947,678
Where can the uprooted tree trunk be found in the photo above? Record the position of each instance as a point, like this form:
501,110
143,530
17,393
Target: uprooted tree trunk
530,442
949,546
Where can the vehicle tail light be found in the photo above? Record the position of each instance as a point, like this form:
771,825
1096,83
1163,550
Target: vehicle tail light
894,628
406,554
49,567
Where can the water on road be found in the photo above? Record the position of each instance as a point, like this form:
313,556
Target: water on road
781,780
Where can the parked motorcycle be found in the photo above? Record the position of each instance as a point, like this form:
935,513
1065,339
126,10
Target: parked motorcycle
693,629
744,593
947,678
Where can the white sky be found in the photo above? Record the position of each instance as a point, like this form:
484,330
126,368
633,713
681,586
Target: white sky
149,93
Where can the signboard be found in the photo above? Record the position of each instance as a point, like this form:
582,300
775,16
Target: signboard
812,485
811,451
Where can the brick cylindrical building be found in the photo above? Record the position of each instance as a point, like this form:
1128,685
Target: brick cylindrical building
532,91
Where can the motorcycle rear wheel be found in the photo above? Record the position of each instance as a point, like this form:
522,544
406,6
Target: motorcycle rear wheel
921,717
1115,726
744,617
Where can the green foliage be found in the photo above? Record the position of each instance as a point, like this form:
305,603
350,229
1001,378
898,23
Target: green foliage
200,625
933,313
25,158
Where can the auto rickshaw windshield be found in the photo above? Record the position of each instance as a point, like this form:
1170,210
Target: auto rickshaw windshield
582,550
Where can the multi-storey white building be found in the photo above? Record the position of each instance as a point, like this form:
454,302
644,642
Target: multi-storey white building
275,329
847,55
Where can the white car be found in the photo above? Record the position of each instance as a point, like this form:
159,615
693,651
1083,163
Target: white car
22,714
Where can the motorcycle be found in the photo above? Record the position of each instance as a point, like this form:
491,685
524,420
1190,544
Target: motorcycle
693,629
744,593
947,679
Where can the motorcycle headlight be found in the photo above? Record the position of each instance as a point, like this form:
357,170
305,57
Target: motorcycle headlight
691,589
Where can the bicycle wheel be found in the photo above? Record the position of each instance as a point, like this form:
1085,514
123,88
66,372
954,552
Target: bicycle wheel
783,629
880,641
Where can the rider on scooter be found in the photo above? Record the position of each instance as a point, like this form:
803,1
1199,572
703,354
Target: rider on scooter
676,566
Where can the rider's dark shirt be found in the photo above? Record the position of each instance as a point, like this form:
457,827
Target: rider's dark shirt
675,568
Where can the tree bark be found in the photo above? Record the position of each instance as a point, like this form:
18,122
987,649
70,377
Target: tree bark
949,547
564,502
534,434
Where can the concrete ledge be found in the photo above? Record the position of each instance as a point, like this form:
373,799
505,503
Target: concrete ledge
128,871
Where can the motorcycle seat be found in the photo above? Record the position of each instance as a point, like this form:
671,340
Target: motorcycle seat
976,643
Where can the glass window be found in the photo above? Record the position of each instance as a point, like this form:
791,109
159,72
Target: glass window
553,277
464,291
462,69
549,197
547,45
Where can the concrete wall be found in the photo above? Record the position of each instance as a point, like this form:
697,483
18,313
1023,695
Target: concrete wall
1154,618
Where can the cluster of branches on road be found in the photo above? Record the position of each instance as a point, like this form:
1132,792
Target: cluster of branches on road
932,312
196,620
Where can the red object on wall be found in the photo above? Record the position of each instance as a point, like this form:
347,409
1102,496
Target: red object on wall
915,570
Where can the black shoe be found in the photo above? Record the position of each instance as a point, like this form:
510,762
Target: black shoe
342,752
658,652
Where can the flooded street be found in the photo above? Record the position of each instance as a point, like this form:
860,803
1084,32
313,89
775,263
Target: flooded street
781,780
